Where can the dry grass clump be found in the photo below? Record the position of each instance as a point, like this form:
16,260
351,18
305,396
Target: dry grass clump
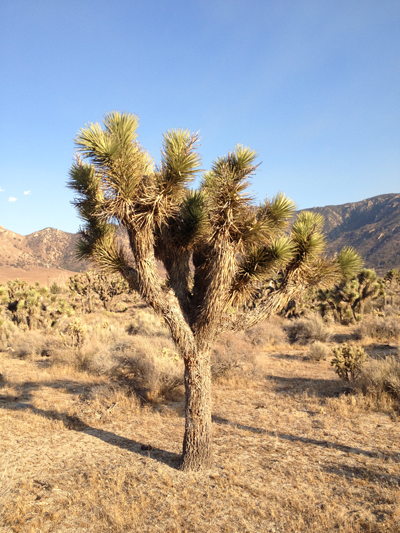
7,473
101,402
7,330
269,332
233,356
318,351
392,310
309,328
380,377
150,367
381,328
27,343
145,322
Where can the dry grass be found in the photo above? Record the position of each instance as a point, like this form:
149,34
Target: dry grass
309,328
294,450
318,351
380,328
381,377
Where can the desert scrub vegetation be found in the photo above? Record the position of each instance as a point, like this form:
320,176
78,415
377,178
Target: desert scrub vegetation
318,351
348,361
269,333
384,328
308,329
91,284
347,301
379,377
234,358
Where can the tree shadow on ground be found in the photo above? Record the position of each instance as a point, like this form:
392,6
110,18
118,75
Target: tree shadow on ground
21,402
381,350
335,446
343,337
287,356
313,442
374,475
219,420
74,423
25,389
320,387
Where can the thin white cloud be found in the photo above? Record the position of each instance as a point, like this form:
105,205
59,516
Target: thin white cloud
27,192
1,190
12,199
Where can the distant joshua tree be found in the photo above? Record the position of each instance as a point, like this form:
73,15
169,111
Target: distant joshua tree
105,286
229,263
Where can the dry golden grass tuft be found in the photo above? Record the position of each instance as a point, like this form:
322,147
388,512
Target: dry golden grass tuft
296,450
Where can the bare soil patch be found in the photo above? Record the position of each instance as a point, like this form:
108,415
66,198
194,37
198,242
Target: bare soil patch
45,276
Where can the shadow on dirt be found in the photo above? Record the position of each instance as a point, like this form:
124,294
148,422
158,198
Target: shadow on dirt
74,423
20,402
381,351
335,446
327,388
371,474
219,420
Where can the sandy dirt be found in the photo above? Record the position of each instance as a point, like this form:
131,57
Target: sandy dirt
45,276
293,453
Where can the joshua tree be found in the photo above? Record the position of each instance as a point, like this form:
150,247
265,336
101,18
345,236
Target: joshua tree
392,284
82,284
108,288
351,296
220,252
105,286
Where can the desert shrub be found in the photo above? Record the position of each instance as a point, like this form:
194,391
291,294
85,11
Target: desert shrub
318,351
233,356
150,367
348,361
51,345
103,399
307,329
391,310
28,343
380,377
7,330
269,332
77,332
381,328
55,288
147,323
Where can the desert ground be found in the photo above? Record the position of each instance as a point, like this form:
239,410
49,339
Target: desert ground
296,448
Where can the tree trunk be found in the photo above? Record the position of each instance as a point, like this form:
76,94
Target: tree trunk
197,442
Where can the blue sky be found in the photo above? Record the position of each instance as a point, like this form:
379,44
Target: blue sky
313,86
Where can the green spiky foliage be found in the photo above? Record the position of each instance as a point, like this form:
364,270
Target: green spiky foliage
229,263
83,285
106,286
392,286
348,361
347,301
33,306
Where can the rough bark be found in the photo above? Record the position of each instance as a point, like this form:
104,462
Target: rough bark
197,442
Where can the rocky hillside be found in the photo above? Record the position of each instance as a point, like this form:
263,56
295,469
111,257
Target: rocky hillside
46,248
372,226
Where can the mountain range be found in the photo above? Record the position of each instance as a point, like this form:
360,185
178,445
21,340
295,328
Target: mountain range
372,226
